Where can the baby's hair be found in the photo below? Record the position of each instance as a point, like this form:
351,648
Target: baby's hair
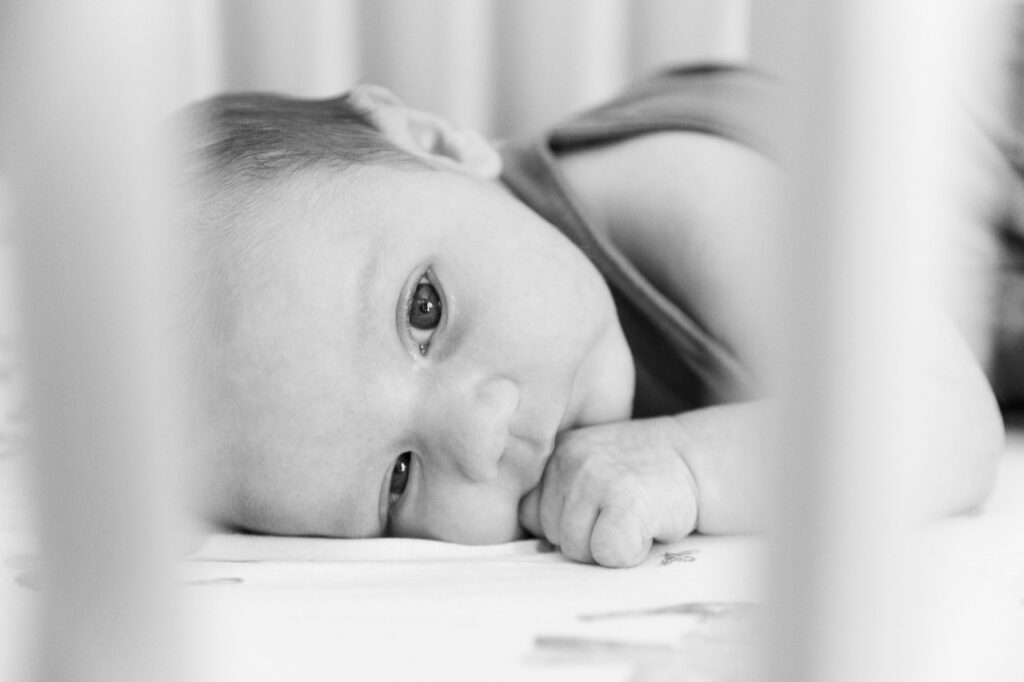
237,145
258,135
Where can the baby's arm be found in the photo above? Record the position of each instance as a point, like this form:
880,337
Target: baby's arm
695,213
610,491
728,448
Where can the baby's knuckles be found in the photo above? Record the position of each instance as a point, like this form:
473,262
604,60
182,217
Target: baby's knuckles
595,471
634,476
615,458
621,538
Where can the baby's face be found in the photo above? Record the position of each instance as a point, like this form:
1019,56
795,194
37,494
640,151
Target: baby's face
421,340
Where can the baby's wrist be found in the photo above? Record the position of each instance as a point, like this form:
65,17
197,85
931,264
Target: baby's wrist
682,443
725,448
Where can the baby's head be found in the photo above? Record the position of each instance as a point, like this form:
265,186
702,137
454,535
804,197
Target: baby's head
387,341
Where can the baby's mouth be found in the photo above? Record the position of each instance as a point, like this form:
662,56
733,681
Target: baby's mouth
570,421
533,457
521,510
542,454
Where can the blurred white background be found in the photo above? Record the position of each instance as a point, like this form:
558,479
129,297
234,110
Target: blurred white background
503,68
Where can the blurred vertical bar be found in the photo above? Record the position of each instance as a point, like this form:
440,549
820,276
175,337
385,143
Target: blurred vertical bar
867,131
672,32
436,56
87,84
306,48
205,53
556,58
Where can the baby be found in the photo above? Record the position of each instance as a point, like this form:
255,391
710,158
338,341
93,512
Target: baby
403,331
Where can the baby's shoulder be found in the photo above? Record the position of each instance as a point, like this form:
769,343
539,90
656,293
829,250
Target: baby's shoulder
695,214
657,192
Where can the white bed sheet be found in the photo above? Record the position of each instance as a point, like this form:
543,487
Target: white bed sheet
265,608
413,609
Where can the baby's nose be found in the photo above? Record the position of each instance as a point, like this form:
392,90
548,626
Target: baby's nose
478,430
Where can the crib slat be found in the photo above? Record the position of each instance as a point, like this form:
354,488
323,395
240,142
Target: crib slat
93,79
307,49
868,131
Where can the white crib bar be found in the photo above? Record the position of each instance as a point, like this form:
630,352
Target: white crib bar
866,133
91,83
435,56
309,48
667,32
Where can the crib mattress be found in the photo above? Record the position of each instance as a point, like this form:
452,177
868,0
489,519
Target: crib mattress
266,608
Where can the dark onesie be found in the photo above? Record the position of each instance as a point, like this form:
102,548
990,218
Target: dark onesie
680,365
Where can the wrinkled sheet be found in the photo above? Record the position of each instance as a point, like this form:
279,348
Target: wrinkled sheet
271,608
416,609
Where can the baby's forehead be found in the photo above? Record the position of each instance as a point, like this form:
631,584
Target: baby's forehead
264,232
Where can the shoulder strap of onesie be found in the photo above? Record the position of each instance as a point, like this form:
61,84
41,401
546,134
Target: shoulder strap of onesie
728,102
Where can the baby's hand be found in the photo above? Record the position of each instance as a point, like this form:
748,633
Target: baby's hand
609,491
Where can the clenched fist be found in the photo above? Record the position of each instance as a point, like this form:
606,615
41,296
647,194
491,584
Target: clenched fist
609,491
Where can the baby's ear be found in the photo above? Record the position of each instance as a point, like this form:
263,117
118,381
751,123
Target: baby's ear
425,135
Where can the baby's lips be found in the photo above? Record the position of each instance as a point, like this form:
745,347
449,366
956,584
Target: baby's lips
570,419
529,512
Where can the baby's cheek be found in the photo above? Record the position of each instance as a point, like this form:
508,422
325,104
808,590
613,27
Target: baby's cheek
465,513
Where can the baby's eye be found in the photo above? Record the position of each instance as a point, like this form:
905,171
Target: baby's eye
424,313
399,478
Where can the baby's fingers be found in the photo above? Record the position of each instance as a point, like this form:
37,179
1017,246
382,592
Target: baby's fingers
540,512
568,524
576,528
620,538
